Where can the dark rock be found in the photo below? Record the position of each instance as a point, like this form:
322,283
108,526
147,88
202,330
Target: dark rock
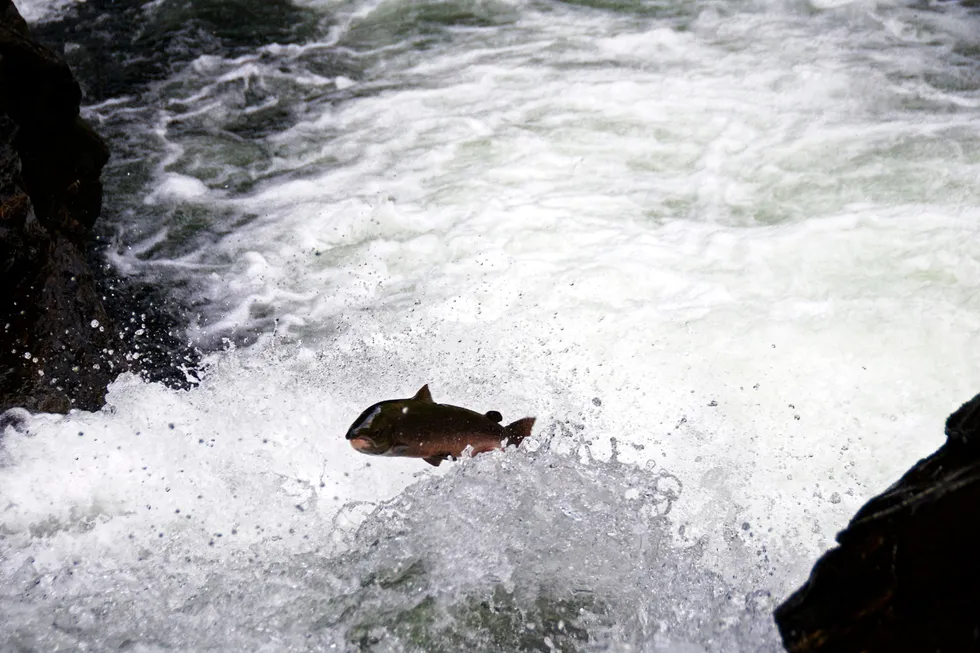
58,349
906,576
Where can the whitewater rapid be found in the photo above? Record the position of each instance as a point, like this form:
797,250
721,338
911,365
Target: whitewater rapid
722,251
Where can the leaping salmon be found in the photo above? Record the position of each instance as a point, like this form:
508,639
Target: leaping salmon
421,428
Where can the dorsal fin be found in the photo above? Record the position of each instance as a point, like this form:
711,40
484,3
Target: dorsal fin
423,394
517,431
494,416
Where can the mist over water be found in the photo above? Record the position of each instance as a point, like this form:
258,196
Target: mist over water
722,251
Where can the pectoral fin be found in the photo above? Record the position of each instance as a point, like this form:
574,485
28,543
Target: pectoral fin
435,461
423,394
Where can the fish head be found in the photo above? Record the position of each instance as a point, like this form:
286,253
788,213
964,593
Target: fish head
372,431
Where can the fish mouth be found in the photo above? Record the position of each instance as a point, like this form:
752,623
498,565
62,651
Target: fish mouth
362,443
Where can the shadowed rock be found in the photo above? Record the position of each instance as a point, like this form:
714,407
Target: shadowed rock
59,349
906,576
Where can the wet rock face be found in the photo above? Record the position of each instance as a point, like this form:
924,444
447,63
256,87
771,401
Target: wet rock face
906,576
58,349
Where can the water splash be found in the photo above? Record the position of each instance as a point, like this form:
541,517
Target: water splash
541,549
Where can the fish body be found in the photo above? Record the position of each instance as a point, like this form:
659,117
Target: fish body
420,428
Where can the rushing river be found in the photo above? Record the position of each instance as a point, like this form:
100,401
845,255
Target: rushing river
725,252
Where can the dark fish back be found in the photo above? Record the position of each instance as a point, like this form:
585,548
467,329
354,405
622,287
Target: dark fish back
442,421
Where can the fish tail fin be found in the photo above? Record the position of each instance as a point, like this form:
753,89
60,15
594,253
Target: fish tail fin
517,431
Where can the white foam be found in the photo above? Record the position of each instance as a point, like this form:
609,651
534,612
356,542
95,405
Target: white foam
175,188
34,11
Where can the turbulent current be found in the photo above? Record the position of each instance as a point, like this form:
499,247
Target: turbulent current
725,252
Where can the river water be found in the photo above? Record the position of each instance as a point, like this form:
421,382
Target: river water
725,252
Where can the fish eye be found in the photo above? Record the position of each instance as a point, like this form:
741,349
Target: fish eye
365,421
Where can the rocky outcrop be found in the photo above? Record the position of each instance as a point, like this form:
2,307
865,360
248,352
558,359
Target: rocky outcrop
58,349
906,576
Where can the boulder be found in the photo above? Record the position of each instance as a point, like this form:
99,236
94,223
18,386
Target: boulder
58,348
906,576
